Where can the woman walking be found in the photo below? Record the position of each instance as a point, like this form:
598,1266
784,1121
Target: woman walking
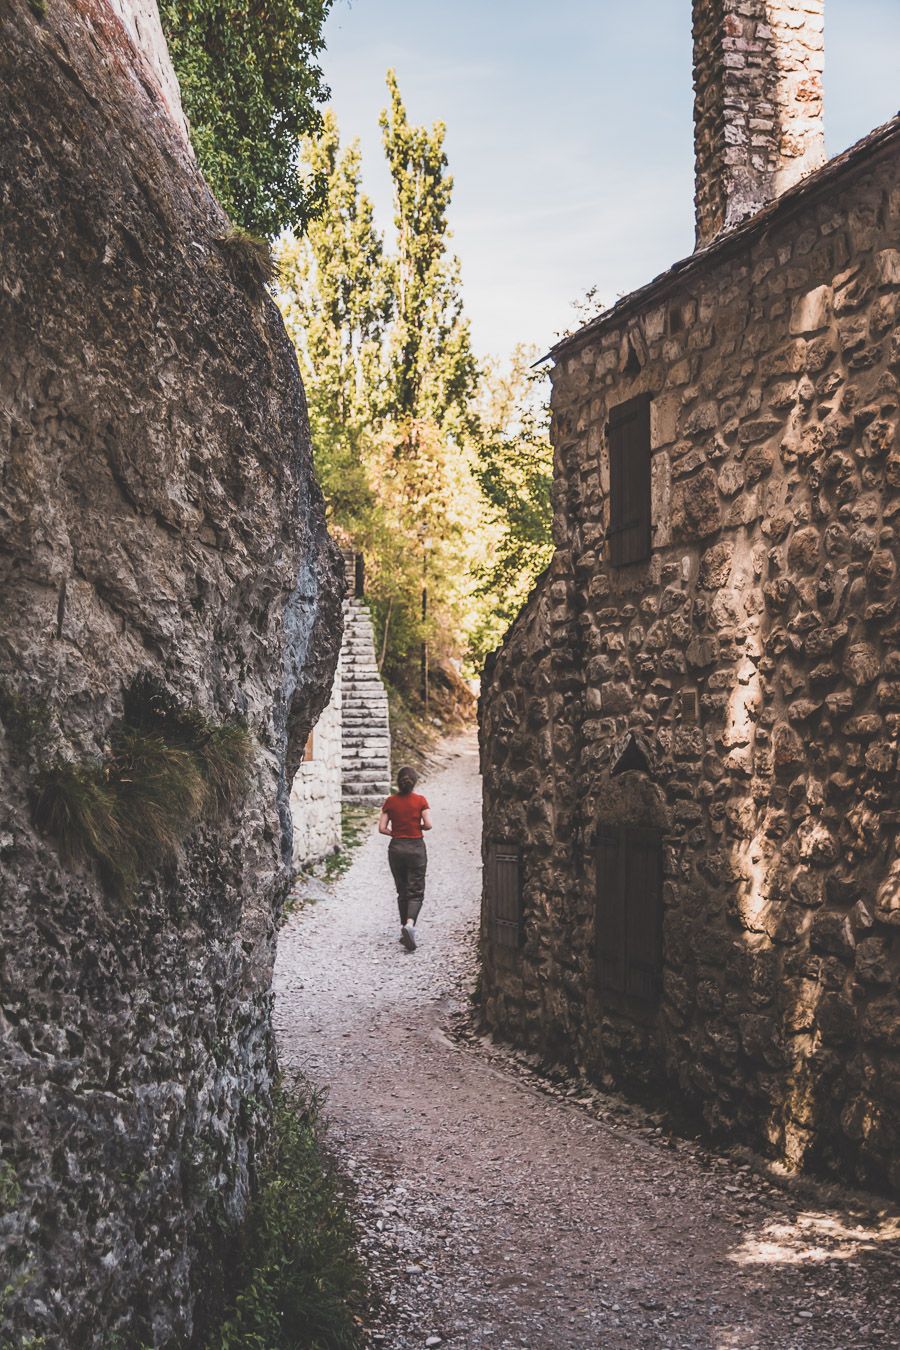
404,817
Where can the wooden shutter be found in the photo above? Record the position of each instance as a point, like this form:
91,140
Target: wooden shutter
629,912
628,533
503,894
643,911
610,863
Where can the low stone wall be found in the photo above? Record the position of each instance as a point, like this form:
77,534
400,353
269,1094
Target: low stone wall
316,790
753,665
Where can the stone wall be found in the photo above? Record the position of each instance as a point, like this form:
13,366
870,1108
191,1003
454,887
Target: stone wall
754,659
316,790
158,518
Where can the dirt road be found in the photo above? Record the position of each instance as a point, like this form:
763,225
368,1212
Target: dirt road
496,1214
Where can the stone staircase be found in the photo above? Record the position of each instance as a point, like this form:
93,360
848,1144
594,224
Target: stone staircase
366,758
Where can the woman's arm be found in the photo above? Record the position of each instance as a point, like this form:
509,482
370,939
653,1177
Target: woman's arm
384,823
426,818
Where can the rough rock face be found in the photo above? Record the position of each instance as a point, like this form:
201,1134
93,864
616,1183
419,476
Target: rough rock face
158,516
745,680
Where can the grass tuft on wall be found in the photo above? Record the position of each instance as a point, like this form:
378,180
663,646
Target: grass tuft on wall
252,254
301,1282
167,768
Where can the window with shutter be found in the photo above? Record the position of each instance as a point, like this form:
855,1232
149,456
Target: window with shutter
628,532
629,912
503,899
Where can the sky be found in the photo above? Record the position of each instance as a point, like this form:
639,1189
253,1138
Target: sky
569,134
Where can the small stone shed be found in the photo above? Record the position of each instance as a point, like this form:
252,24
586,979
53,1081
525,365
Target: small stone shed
689,735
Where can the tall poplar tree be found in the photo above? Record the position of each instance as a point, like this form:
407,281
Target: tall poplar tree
432,381
439,474
337,300
433,371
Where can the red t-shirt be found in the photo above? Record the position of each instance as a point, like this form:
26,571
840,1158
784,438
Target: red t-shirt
405,814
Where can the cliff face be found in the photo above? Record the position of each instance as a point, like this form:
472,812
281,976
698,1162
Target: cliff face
162,546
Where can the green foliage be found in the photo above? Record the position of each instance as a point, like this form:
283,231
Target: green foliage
165,769
385,353
438,473
223,759
10,1190
355,824
414,739
432,373
301,1281
79,809
337,301
514,469
251,86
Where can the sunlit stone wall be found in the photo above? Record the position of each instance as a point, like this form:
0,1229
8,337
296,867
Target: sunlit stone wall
772,594
316,790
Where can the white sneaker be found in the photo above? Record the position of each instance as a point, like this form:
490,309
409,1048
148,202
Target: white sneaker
408,936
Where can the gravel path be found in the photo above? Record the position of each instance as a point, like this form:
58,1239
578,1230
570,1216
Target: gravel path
499,1210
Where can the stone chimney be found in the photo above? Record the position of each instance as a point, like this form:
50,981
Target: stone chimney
758,124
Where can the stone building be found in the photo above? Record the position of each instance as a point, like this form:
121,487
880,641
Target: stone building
689,736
